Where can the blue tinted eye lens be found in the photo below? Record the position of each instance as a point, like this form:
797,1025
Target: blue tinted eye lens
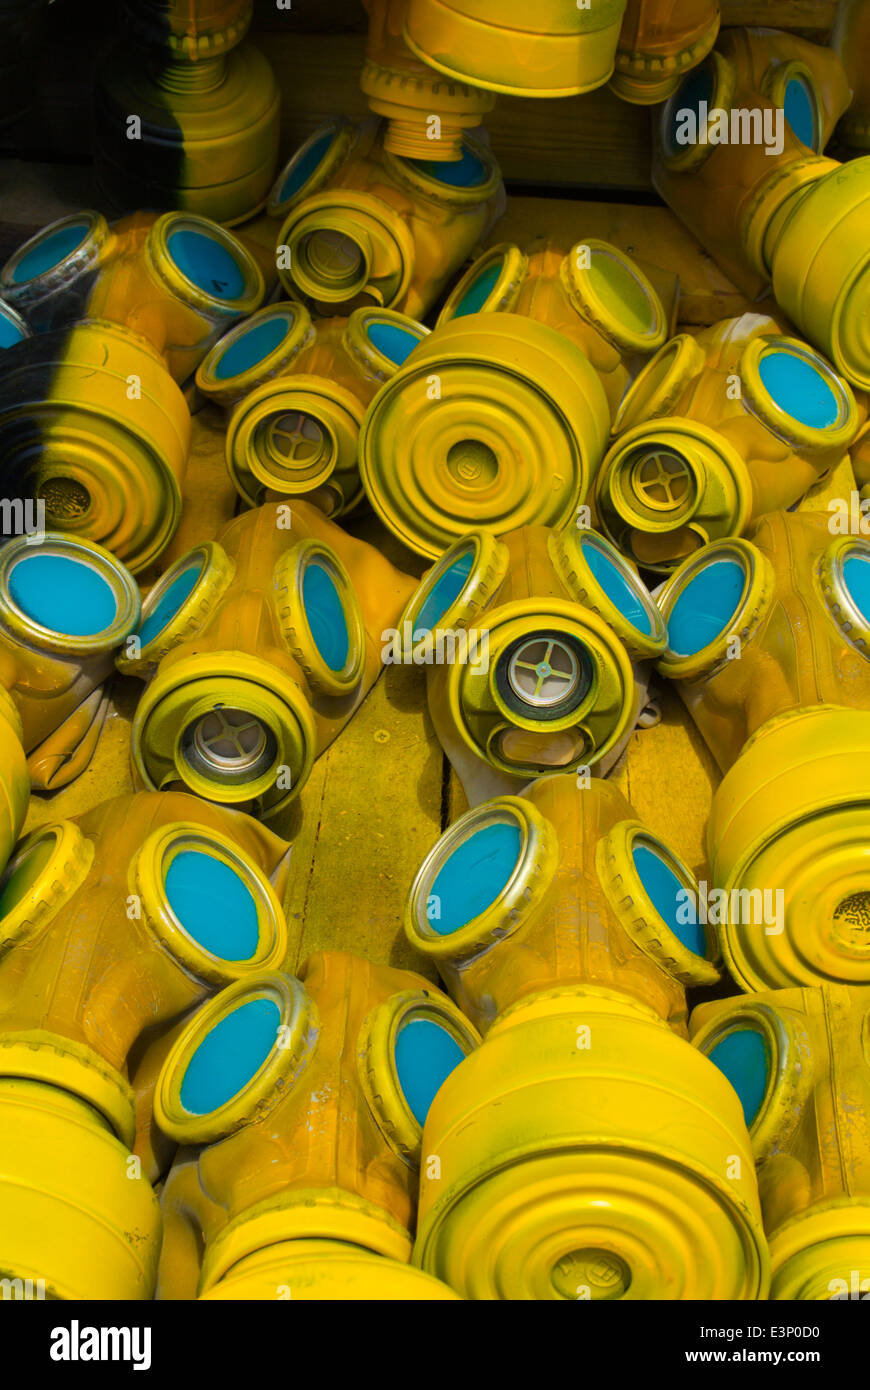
229,1056
213,904
616,586
444,594
64,595
741,1056
207,264
799,389
325,616
705,607
426,1054
671,900
474,876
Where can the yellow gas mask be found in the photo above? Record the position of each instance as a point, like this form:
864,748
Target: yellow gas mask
716,431
583,1151
112,926
537,649
494,420
297,390
299,1105
360,225
768,642
797,1059
257,648
659,42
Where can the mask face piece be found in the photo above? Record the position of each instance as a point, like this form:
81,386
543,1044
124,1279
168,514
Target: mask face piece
558,52
535,646
796,1059
264,1060
257,649
769,646
557,921
361,225
174,899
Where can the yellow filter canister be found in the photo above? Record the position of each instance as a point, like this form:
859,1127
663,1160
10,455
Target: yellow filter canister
557,50
582,1152
494,420
207,132
14,777
768,644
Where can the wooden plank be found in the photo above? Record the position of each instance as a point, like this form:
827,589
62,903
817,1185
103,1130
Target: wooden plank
816,16
377,815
